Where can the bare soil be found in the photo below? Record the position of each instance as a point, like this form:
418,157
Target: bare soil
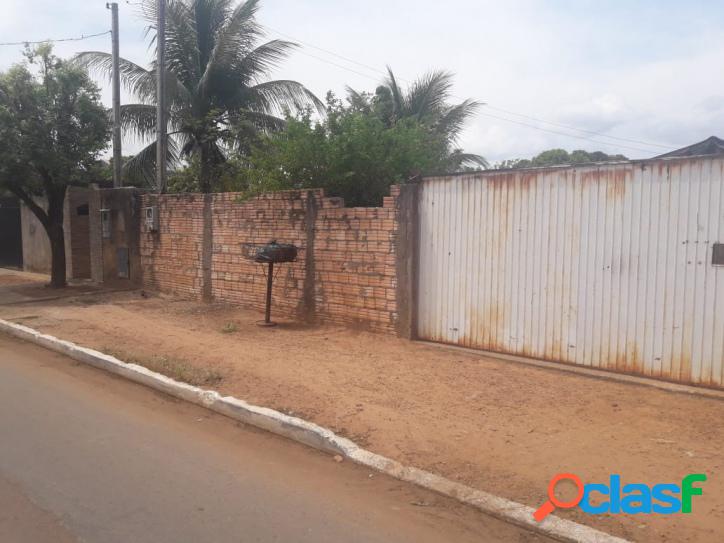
499,426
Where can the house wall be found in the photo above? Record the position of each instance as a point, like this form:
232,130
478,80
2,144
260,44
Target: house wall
11,239
36,245
76,227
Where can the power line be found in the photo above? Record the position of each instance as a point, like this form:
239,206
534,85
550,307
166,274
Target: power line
373,78
330,53
611,144
521,123
569,127
487,105
82,37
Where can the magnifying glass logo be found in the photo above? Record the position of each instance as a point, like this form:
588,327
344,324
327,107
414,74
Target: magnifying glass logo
548,507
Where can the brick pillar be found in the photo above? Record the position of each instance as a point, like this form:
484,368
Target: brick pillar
406,259
207,249
309,308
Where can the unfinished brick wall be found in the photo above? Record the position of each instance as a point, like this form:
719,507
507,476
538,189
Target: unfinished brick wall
354,251
171,257
345,271
239,227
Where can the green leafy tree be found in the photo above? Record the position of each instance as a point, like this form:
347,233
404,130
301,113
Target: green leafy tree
427,102
218,97
556,157
351,153
52,128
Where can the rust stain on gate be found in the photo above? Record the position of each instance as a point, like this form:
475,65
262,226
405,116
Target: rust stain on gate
602,265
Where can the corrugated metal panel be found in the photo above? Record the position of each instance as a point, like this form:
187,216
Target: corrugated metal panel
606,266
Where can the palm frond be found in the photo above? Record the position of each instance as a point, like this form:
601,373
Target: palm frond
259,120
142,167
398,99
275,96
214,74
230,43
427,96
358,100
459,159
137,80
452,120
182,53
139,119
261,60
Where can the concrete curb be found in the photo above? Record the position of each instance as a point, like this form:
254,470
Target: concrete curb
318,437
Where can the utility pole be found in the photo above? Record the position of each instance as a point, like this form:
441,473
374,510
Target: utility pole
161,143
116,85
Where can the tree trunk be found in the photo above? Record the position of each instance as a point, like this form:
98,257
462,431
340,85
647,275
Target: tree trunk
206,172
56,235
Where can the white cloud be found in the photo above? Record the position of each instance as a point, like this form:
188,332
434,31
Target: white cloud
648,70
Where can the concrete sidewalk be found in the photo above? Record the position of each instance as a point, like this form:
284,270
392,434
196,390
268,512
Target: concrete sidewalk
18,287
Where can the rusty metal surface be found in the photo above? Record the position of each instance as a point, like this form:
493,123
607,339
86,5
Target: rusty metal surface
605,266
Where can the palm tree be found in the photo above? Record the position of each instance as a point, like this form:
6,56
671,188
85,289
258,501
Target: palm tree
426,101
218,99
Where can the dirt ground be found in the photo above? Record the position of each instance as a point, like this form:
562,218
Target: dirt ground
499,426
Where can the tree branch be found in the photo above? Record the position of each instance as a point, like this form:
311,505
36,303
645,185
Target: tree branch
38,211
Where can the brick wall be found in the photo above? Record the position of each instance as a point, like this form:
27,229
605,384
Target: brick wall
355,264
239,227
171,258
345,271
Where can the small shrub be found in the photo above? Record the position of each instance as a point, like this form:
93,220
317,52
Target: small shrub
229,328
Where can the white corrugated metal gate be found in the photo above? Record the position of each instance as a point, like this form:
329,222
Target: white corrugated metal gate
606,266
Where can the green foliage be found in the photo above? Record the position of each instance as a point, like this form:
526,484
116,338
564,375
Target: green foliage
426,101
53,125
351,153
229,176
218,99
555,157
52,128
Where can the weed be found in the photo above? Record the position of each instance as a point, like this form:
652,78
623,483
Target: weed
175,368
229,328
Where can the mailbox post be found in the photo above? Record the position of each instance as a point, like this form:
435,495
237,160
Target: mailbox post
270,254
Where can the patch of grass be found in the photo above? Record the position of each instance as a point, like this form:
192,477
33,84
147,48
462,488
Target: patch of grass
229,328
175,368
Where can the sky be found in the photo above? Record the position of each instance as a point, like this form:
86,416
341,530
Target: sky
635,77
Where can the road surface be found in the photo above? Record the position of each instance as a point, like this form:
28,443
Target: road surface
86,456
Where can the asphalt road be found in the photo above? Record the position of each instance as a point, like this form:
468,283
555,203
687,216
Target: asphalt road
86,456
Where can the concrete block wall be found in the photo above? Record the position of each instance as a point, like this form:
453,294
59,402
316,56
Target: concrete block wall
76,226
123,205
